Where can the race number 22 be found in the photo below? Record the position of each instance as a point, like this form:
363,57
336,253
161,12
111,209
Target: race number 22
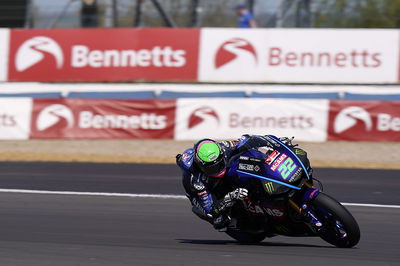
287,168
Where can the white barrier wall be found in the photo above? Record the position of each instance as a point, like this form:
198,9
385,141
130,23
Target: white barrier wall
230,118
299,55
15,118
4,49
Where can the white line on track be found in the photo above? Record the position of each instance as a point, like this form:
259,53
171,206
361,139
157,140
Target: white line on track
371,205
159,196
103,194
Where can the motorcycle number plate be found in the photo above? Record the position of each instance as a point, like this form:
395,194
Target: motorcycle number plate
285,166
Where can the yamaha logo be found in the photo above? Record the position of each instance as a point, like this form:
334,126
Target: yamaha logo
33,51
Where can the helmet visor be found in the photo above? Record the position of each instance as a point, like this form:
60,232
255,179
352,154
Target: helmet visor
214,168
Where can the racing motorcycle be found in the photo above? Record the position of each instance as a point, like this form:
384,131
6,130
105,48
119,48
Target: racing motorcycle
283,199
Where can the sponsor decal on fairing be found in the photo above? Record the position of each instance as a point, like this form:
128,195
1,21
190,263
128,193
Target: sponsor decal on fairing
263,209
271,157
278,162
246,167
296,175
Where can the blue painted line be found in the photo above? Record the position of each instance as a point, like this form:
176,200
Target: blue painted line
269,179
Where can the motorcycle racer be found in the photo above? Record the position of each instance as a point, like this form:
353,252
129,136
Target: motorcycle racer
204,167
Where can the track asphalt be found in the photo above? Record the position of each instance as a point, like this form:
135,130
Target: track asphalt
40,229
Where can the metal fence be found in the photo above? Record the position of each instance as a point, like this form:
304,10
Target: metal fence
214,13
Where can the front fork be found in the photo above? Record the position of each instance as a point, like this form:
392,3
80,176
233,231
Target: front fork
304,208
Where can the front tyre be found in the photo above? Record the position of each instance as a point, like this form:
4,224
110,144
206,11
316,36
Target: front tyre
339,226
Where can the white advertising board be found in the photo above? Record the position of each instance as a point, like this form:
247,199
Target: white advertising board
221,118
4,49
299,55
15,118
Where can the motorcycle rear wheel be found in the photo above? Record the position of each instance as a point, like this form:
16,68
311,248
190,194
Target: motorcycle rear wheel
246,238
339,226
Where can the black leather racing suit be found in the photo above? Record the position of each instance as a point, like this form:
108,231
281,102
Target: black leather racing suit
205,193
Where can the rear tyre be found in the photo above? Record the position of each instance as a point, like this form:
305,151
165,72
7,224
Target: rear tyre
247,238
339,226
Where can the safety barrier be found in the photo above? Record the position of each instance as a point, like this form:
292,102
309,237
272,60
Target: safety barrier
314,120
364,56
165,94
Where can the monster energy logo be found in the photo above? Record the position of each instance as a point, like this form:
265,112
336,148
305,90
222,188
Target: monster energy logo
299,151
269,187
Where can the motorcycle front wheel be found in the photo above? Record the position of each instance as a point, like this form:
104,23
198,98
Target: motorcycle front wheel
339,226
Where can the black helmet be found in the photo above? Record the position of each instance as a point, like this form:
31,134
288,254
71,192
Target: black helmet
210,158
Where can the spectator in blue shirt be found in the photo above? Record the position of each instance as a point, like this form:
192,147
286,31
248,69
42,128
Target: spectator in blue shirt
246,19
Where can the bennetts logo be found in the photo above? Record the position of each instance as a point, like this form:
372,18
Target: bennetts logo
55,116
203,115
58,116
34,50
348,118
235,50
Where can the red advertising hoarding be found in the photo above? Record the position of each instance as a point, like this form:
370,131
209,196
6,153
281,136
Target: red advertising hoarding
364,121
102,119
103,55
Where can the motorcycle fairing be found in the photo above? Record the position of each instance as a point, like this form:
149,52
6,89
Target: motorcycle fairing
282,167
310,194
276,210
282,146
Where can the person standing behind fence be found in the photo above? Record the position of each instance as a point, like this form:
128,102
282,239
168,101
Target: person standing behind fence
89,14
245,19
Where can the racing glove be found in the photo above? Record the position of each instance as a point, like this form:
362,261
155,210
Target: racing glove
229,200
237,194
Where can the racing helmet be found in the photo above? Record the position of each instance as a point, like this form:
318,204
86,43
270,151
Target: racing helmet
210,158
